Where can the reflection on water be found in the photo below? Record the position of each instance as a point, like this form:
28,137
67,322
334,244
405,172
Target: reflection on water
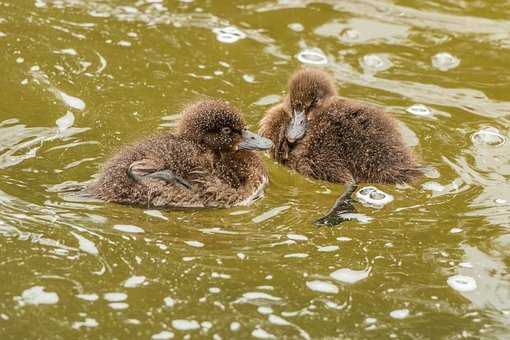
80,78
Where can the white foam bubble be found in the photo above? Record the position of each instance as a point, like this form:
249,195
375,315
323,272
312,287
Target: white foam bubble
169,302
361,218
249,78
85,244
235,326
206,325
156,213
370,321
327,249
185,325
134,281
40,3
445,61
276,320
344,239
229,34
115,297
68,51
214,290
264,310
196,244
88,297
296,27
322,287
488,136
163,335
216,275
88,323
375,62
126,228
399,313
347,275
296,256
462,283
455,230
37,296
372,196
297,237
259,296
313,56
269,214
419,110
259,333
65,122
118,305
74,102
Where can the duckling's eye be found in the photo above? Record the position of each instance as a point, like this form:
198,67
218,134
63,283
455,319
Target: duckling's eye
226,130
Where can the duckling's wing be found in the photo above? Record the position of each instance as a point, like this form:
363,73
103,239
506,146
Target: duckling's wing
149,169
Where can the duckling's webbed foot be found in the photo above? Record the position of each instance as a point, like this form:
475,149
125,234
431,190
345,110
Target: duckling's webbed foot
340,210
147,169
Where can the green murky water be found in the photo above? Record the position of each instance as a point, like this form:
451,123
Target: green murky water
123,69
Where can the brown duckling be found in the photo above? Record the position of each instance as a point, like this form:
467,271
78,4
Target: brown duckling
328,137
207,163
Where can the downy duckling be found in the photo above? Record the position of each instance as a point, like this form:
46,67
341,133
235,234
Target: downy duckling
331,138
209,162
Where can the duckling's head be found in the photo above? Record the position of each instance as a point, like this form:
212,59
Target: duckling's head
218,126
308,88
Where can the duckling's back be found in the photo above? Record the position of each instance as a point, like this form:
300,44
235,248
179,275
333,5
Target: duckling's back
360,141
166,151
215,182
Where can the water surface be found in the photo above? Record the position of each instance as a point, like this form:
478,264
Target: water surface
80,78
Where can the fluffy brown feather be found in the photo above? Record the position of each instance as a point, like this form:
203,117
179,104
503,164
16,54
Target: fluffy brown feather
345,140
199,152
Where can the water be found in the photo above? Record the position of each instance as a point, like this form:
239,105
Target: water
81,78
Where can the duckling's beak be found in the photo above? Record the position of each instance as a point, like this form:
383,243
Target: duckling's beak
252,141
297,127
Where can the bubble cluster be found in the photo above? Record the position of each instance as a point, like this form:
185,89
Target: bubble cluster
375,62
37,296
462,283
445,61
488,136
312,56
229,34
373,196
419,110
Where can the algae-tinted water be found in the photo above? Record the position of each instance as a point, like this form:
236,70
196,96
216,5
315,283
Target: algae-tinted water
80,78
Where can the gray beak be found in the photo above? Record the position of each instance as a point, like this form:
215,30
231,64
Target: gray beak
252,141
297,127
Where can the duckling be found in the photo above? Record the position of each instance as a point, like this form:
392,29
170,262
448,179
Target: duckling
208,162
328,137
